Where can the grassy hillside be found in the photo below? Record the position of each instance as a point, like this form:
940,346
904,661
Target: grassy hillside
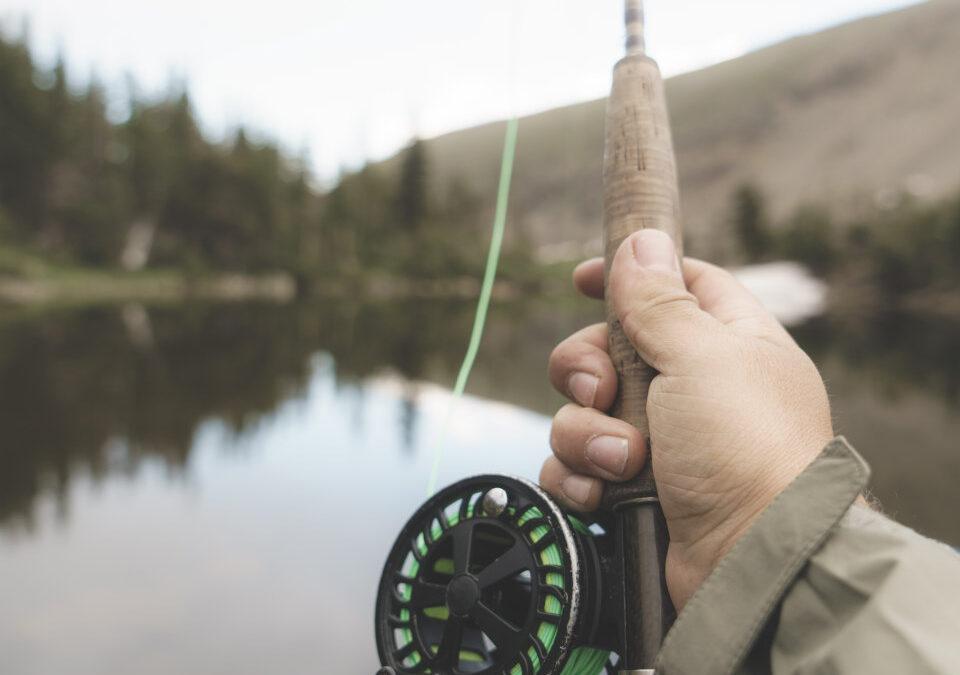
838,117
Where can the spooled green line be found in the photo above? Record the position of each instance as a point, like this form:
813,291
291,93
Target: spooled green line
493,257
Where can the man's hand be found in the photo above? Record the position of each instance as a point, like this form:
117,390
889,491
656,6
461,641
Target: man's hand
737,411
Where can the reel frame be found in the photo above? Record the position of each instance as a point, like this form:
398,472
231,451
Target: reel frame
491,577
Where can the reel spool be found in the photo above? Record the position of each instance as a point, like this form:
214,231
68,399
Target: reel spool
491,577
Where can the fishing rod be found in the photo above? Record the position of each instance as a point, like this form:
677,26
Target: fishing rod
491,576
640,191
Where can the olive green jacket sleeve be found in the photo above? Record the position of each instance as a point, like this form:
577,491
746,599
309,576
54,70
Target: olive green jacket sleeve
819,586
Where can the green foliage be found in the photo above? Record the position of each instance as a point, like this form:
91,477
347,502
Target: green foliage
26,150
751,223
810,238
73,185
151,190
913,247
412,203
918,247
405,224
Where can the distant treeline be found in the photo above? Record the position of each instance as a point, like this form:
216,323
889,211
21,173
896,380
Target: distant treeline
399,222
903,249
151,191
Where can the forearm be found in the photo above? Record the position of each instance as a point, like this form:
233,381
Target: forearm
816,586
877,597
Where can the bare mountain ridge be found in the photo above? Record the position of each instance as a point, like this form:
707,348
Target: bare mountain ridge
840,118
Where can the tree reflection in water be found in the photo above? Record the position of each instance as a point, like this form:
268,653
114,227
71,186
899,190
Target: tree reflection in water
100,390
78,384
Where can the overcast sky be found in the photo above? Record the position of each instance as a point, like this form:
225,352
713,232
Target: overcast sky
348,81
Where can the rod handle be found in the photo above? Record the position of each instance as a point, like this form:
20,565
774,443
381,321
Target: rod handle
639,192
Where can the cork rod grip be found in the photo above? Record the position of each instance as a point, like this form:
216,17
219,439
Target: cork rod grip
639,191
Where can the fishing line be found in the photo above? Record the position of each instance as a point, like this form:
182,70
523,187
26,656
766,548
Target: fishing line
486,290
583,660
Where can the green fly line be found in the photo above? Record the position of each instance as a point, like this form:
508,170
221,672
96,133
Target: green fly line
493,257
583,660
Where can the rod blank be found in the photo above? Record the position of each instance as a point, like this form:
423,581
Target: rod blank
636,44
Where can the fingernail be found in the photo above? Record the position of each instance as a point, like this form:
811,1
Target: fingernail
577,488
583,388
608,452
654,250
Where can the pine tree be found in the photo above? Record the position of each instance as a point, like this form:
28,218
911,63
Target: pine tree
750,221
412,190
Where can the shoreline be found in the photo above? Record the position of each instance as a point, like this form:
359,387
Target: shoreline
279,287
788,290
106,288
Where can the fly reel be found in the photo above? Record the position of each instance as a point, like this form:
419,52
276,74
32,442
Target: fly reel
491,577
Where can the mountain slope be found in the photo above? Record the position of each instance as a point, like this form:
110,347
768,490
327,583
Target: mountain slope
834,117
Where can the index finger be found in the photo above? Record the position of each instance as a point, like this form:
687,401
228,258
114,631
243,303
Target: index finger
588,278
722,296
718,292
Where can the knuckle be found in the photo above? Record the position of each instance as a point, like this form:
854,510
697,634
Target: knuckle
545,473
559,351
551,475
557,360
565,415
561,427
564,357
656,305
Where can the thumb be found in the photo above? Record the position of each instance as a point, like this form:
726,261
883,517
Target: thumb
659,316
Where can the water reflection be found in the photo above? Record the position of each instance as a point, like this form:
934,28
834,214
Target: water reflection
893,383
100,390
213,488
894,351
263,554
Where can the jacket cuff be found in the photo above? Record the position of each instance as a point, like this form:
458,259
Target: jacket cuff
720,623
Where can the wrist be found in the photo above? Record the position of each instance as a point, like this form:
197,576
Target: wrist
696,551
690,563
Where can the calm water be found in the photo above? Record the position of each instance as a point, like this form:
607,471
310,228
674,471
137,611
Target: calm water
214,488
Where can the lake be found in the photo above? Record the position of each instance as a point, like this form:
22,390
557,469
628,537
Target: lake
213,488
